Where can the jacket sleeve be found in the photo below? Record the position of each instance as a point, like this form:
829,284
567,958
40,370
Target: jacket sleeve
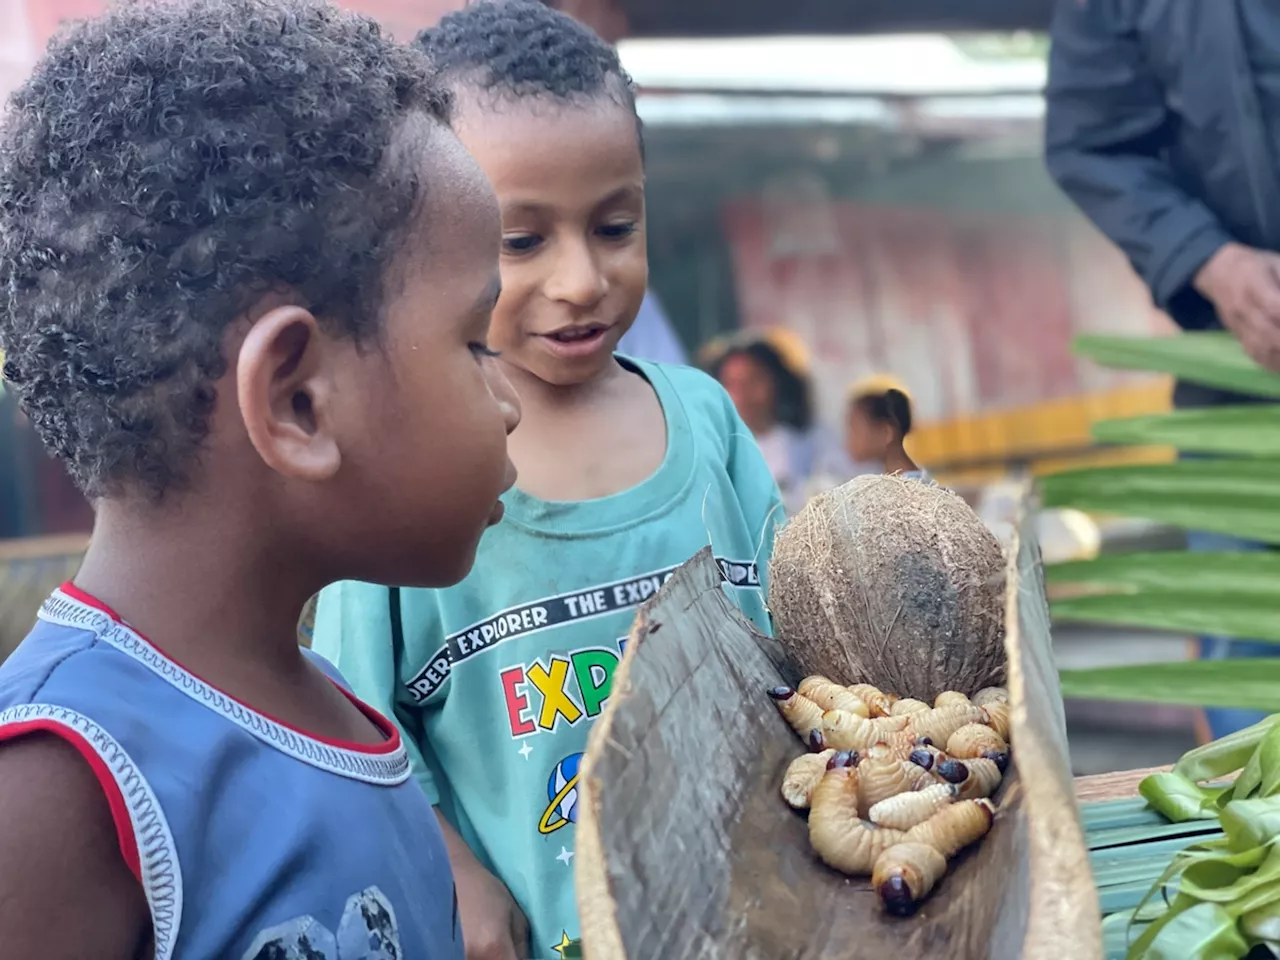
1104,129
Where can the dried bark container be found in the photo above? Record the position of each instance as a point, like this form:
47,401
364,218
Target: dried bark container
685,849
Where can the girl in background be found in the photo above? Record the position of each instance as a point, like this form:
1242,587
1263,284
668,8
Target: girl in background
767,376
773,401
877,422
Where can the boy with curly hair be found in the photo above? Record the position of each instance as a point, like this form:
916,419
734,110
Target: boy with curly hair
242,259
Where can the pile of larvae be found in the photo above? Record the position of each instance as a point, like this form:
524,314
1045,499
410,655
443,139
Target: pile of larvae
894,787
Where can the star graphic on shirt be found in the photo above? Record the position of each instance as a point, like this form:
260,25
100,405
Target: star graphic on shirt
564,944
565,856
525,750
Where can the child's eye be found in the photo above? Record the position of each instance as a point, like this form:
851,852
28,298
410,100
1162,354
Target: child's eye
617,231
481,350
521,242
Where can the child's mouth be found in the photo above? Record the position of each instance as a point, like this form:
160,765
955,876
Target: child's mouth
576,341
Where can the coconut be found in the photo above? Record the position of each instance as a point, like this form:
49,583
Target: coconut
892,582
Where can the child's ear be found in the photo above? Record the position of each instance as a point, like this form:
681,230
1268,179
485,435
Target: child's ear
888,435
284,385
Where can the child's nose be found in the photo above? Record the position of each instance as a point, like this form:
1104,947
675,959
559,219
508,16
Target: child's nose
577,278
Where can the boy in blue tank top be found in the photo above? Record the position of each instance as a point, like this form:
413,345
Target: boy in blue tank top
246,275
627,469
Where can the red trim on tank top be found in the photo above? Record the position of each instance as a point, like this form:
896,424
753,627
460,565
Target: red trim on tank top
385,726
115,798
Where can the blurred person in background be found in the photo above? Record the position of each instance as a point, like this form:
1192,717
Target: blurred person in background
877,421
774,404
767,377
1163,126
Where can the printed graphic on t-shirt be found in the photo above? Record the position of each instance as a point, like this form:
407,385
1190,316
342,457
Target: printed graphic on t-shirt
571,607
559,690
562,797
367,931
562,811
566,949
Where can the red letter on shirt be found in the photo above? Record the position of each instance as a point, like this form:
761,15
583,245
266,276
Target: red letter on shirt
517,703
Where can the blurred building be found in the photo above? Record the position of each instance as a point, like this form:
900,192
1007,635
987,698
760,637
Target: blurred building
885,198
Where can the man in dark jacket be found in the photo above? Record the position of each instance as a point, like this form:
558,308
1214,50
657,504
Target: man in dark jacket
1163,126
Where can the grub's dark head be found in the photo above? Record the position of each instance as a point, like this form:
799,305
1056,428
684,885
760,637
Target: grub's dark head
922,758
895,894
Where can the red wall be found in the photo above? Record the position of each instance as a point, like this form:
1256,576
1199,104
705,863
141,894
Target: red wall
25,25
975,311
405,17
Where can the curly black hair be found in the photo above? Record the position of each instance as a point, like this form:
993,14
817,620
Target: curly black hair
164,166
523,48
793,405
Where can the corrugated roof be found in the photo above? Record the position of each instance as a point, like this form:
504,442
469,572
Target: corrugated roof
719,18
898,65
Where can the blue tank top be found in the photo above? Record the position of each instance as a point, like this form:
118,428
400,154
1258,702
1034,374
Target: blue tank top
252,840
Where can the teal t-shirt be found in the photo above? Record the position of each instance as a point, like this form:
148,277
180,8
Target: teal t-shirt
496,681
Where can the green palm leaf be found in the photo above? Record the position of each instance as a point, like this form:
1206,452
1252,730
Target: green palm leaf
1225,594
1244,431
1238,494
1248,684
1240,497
1246,616
1212,359
1173,571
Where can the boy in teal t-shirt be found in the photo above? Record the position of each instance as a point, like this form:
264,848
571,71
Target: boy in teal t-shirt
627,470
499,679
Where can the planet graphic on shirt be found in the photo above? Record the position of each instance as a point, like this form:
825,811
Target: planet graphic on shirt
562,794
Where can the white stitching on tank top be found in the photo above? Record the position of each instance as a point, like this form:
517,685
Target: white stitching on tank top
387,769
157,853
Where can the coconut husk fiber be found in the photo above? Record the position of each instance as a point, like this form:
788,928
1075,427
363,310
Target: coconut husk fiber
686,851
892,582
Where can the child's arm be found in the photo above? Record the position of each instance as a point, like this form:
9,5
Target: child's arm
65,890
493,926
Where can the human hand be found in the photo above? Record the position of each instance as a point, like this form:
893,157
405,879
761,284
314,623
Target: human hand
493,926
1243,284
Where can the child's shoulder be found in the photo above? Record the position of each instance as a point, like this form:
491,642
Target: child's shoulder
55,814
699,393
52,657
681,376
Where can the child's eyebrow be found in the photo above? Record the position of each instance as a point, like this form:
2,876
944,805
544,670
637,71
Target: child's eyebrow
627,192
631,191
